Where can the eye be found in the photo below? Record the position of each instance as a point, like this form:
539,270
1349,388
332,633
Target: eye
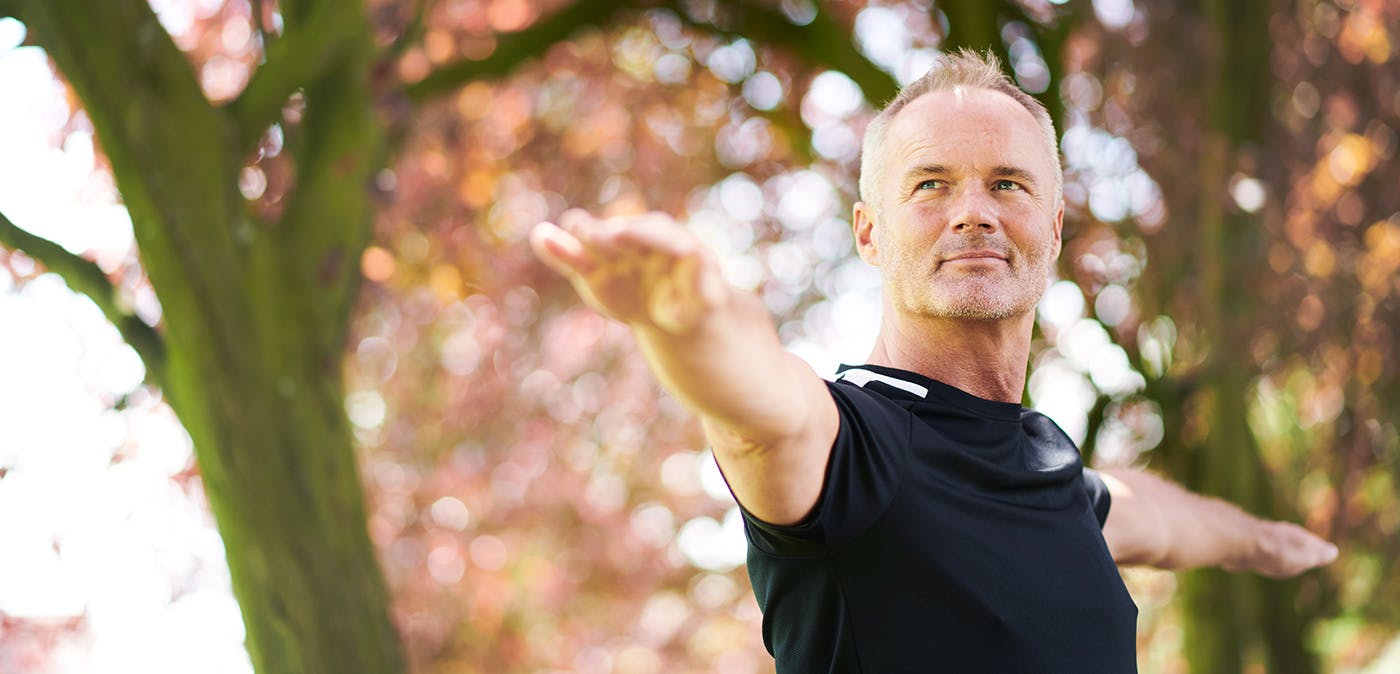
1006,185
931,183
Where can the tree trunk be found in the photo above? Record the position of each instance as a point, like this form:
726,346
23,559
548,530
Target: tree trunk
255,315
1230,619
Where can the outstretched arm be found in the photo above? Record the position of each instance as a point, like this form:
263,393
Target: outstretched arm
1157,523
767,415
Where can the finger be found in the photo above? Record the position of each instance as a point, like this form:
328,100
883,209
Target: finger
560,250
627,236
656,234
1320,552
1304,550
584,228
577,222
1316,549
595,234
1330,554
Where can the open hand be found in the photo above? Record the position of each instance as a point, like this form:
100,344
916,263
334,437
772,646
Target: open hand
1283,549
645,271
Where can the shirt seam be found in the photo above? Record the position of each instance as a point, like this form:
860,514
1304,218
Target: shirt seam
975,412
846,611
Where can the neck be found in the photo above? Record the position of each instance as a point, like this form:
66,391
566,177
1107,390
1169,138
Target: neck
986,358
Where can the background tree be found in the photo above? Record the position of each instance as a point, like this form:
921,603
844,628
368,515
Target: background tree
537,503
1268,203
257,267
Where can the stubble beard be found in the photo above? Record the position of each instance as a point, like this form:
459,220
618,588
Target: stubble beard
987,296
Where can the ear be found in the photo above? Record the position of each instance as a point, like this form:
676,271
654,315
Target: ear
1059,225
867,239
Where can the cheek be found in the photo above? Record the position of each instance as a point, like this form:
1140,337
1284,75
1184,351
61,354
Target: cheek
1030,231
1043,252
922,219
926,208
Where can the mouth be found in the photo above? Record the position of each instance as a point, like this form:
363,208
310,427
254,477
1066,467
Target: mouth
972,256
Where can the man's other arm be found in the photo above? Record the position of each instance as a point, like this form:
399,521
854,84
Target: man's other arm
1152,521
767,415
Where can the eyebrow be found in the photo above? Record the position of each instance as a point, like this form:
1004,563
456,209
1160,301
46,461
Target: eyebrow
1016,173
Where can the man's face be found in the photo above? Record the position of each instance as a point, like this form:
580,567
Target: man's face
968,222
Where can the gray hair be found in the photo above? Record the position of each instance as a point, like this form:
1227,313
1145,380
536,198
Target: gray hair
964,68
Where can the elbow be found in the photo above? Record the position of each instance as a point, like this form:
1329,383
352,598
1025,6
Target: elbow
1136,530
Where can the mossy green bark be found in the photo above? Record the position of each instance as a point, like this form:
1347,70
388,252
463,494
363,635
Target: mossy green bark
255,314
1231,620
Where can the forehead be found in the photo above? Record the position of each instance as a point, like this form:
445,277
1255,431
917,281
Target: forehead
963,125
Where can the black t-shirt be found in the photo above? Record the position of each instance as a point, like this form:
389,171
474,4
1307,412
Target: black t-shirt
953,534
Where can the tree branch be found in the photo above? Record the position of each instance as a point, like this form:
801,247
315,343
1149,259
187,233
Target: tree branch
328,218
169,148
822,42
975,25
85,277
1050,38
292,60
413,30
512,49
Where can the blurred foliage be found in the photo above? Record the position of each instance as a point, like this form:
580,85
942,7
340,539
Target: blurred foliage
531,490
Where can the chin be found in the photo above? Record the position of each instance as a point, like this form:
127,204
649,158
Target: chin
980,301
978,311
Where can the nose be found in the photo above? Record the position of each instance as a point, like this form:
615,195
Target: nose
975,210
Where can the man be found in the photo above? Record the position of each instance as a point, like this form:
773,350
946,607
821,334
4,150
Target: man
911,516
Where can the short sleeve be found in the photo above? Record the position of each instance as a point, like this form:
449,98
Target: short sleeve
1099,497
863,472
